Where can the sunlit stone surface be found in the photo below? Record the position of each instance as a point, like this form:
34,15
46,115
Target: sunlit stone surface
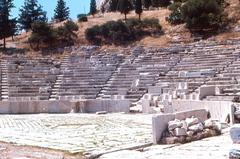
77,132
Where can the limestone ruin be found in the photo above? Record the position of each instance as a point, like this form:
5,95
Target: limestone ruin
170,85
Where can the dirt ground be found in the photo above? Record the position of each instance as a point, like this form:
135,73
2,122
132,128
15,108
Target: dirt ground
11,151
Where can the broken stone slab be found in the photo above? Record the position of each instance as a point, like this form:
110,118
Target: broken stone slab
190,133
180,132
192,121
174,124
213,124
196,128
235,133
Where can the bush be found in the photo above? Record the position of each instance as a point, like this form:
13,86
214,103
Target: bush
201,15
164,3
66,33
42,34
176,16
119,32
82,18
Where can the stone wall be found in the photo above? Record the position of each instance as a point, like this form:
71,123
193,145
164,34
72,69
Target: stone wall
110,106
83,106
219,110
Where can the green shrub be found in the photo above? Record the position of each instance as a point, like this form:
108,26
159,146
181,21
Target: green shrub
42,34
82,18
176,16
120,32
66,33
201,15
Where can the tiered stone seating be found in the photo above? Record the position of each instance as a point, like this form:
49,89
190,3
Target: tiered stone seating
30,79
90,73
83,78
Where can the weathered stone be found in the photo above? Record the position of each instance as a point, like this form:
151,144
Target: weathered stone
234,154
213,124
170,140
184,125
192,121
180,132
190,133
196,128
235,133
174,124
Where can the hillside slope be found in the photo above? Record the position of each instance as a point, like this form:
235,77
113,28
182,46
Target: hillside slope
172,33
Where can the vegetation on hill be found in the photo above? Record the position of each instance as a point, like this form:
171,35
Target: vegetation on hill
7,25
138,8
82,18
31,12
199,15
93,7
202,15
125,6
45,36
120,32
61,11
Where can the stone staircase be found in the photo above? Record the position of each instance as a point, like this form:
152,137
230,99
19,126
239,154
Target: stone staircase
4,80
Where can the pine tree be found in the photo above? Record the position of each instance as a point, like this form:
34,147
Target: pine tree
93,7
113,4
124,6
6,24
31,12
138,8
147,3
61,11
155,3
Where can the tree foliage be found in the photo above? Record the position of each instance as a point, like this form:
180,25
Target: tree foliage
113,5
7,25
175,16
138,8
125,6
120,32
61,11
147,3
44,35
82,18
203,14
93,7
31,12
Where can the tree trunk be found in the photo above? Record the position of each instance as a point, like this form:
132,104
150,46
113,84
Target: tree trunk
139,17
125,17
4,43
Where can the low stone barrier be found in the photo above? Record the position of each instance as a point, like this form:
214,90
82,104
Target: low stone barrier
64,106
95,105
219,110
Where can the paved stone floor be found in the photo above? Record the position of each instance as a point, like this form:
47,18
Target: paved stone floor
76,133
209,148
85,133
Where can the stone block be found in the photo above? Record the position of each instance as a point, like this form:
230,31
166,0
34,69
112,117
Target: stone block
235,133
192,121
174,124
159,125
180,132
201,114
196,128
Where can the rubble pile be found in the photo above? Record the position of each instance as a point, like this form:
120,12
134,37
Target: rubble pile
190,129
